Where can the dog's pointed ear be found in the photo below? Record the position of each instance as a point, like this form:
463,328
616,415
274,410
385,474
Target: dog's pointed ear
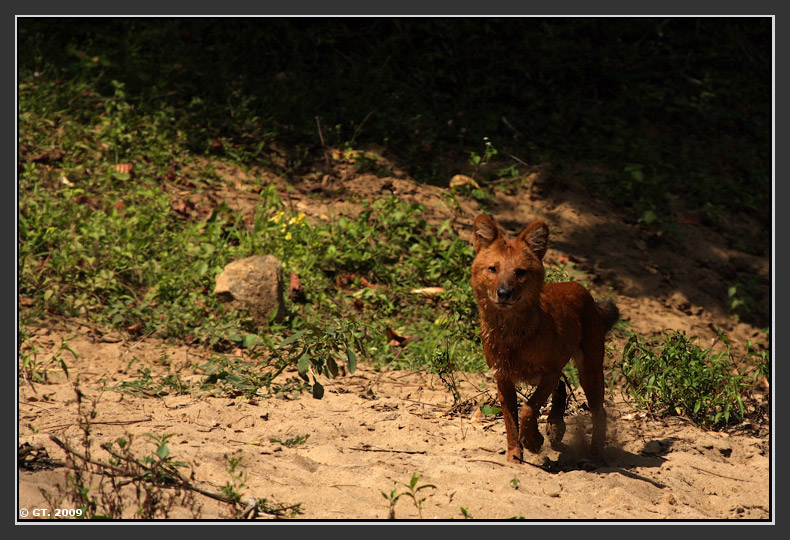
536,237
486,232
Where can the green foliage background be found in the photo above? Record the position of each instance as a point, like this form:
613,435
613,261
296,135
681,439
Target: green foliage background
686,102
674,108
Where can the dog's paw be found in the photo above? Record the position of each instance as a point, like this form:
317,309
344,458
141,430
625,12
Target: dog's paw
597,451
555,431
532,441
514,455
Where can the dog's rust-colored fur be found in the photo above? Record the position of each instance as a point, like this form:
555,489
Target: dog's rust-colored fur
530,330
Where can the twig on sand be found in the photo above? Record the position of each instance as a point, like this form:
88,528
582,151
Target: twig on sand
721,475
106,423
368,448
489,461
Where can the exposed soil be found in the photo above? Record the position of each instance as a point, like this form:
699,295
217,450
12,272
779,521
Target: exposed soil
373,429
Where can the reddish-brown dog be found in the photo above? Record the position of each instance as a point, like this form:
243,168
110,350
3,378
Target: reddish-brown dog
531,330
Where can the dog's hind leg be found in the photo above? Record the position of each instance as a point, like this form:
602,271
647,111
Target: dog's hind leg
590,365
555,427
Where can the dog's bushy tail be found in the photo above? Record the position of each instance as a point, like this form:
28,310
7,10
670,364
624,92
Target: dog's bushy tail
609,312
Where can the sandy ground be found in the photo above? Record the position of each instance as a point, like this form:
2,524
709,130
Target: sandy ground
373,431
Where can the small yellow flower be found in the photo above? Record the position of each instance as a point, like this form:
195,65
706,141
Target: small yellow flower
298,219
277,217
288,236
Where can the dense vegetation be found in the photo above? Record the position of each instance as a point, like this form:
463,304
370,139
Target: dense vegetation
669,108
673,107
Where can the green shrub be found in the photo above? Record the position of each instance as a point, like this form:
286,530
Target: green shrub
671,375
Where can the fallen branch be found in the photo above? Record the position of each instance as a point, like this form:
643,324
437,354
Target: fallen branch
34,457
177,477
142,473
250,510
69,450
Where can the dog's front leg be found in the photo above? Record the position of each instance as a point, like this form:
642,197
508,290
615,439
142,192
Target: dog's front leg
530,436
507,398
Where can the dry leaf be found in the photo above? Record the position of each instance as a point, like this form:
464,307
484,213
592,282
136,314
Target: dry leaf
135,328
460,180
344,279
295,288
295,284
428,291
395,339
352,155
183,206
123,168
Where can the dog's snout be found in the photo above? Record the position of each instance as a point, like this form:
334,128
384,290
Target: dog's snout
504,293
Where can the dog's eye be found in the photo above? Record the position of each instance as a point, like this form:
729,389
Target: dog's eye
492,269
521,273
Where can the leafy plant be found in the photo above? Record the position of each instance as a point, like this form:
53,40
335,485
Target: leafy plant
292,442
672,375
762,362
161,462
441,364
148,385
311,349
318,348
32,370
489,153
412,491
237,480
490,410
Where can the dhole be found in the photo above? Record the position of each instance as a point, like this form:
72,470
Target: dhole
530,330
